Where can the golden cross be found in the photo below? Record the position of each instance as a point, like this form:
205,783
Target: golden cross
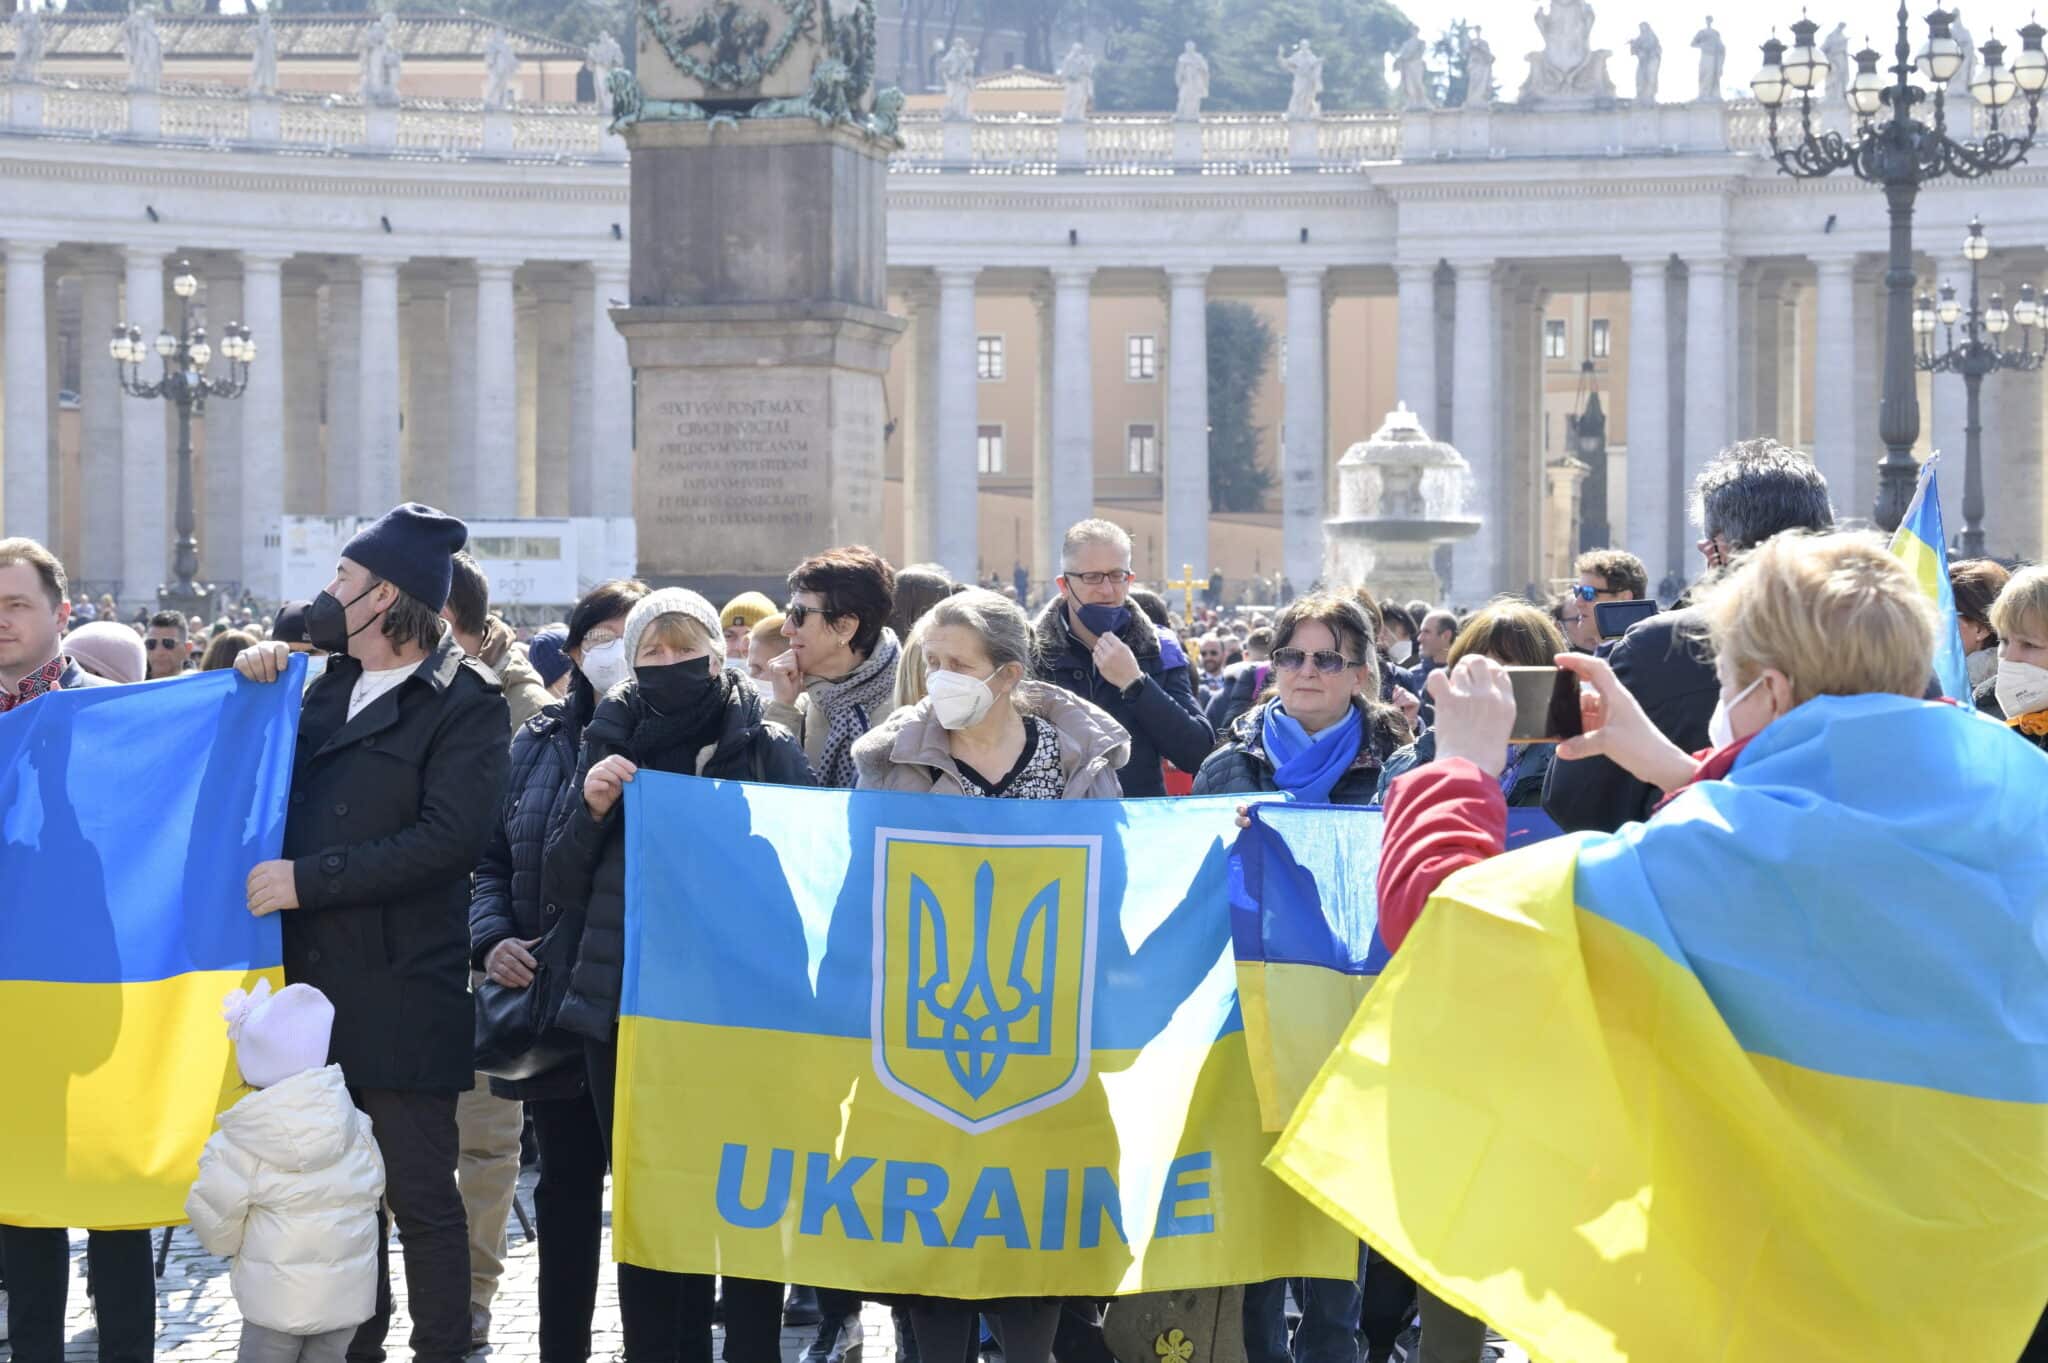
1186,586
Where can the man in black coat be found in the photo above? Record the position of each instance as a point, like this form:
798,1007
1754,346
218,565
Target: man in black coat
401,762
1753,490
1092,643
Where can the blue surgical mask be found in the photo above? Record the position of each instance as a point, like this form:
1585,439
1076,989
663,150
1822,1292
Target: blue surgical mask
1104,619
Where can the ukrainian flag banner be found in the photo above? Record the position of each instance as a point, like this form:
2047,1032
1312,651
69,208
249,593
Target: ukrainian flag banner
1304,928
1766,1077
929,1044
130,818
1920,544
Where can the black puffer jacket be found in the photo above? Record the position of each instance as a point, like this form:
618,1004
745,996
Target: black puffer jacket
1160,714
1243,767
586,857
505,895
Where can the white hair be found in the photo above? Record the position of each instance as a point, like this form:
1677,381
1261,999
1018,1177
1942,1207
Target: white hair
1094,531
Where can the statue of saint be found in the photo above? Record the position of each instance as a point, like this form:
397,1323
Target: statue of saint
381,61
501,66
263,57
1836,50
1077,71
1412,65
144,49
956,68
1649,55
1307,69
1959,83
1191,80
1478,72
1569,68
29,42
1713,55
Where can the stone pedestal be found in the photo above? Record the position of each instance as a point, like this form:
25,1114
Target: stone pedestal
956,142
498,132
145,113
24,105
380,127
1073,146
1187,146
1303,149
266,118
759,331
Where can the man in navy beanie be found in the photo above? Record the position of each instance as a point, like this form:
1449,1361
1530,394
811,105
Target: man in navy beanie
399,771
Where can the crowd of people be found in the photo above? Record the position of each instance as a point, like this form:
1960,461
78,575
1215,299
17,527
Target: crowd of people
456,835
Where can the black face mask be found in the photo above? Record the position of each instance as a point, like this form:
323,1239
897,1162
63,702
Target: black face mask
327,622
678,690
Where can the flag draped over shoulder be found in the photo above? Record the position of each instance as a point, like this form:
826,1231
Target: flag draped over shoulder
130,818
1766,1077
1919,543
938,1045
1304,928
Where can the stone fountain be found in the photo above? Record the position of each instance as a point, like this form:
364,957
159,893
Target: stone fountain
1400,495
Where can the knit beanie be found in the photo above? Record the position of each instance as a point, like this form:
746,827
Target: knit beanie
544,651
748,608
672,601
278,1035
109,649
412,547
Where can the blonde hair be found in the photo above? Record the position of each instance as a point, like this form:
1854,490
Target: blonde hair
910,668
768,627
1836,614
2022,606
683,632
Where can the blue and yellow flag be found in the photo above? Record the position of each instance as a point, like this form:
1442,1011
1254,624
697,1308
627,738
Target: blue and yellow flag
1763,1078
938,1045
1920,545
1304,928
130,818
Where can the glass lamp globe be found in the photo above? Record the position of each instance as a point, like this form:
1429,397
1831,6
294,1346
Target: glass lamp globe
1768,84
2030,64
1949,311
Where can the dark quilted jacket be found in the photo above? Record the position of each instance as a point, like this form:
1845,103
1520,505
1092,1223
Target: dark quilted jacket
505,898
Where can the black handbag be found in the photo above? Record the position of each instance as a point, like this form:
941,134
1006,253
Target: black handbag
516,1036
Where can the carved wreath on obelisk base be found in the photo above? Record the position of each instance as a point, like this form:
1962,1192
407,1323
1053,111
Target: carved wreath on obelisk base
740,55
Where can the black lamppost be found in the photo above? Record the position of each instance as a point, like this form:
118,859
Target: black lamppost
186,384
1901,152
1981,351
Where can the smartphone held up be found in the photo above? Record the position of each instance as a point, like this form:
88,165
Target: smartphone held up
1546,705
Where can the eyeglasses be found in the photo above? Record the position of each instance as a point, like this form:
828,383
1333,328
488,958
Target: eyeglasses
598,638
166,644
796,613
1293,659
1582,592
1115,577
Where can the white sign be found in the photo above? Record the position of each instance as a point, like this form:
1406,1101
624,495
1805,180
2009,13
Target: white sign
530,562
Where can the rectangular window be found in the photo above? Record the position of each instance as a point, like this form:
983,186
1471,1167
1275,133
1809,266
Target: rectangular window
1141,358
1553,340
988,358
988,449
1143,444
1603,343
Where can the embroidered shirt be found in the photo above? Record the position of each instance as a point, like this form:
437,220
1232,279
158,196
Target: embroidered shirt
43,679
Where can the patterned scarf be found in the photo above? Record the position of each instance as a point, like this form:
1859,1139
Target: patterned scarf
43,679
851,705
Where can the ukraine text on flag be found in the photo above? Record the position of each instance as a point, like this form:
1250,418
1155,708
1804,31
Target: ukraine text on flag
1764,1078
957,1047
130,818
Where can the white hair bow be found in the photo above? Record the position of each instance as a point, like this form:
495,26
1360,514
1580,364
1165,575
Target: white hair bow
240,1003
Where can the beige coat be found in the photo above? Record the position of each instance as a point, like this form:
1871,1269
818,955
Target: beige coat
525,694
912,752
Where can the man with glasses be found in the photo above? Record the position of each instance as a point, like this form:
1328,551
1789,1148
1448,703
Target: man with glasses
1092,643
168,643
1604,575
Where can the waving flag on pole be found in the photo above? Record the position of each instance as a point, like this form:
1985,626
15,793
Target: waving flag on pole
1921,546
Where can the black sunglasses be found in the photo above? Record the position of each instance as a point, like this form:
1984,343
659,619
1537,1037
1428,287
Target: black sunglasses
797,613
154,644
1293,659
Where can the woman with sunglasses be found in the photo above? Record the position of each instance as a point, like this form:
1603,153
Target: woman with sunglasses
1321,734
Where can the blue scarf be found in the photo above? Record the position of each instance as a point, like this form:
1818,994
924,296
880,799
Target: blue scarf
1306,767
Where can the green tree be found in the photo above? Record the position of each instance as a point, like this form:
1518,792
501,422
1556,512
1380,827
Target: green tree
1145,40
1240,351
570,21
1353,37
1451,57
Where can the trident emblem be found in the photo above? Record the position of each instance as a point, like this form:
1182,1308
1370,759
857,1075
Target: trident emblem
975,1032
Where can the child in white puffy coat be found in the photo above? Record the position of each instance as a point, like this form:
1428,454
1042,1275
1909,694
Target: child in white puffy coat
289,1186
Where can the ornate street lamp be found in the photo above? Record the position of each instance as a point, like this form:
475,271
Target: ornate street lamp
1901,152
1981,351
186,384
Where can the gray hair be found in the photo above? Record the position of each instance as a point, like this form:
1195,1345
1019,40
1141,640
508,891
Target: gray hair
1755,489
1094,532
1001,625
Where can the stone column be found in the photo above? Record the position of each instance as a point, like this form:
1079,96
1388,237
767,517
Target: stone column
1706,364
1304,471
611,396
1947,423
554,379
1046,535
496,343
1867,380
143,504
582,334
99,424
1652,511
955,495
377,475
462,352
1071,497
429,405
1792,362
1763,360
1834,411
1475,430
296,352
526,382
344,394
1415,346
27,448
1187,423
261,502
921,427
220,496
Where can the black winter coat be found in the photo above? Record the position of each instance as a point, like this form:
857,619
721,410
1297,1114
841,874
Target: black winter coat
586,857
1242,766
1162,718
389,813
505,897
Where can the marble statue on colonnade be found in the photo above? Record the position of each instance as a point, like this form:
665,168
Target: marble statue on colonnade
1306,67
1836,50
1077,75
501,66
1412,63
1569,69
605,56
1191,81
1713,56
263,57
144,50
1478,71
956,69
1649,55
29,42
1959,83
381,61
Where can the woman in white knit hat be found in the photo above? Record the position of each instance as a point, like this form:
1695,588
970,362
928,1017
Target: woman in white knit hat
682,710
